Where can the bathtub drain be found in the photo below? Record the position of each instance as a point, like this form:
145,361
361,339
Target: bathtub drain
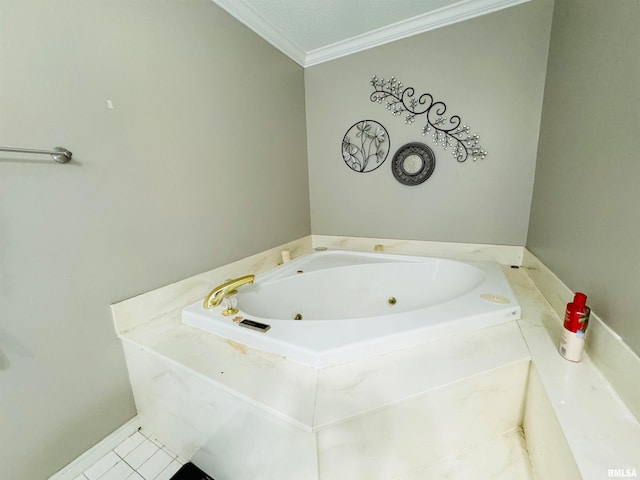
298,316
392,301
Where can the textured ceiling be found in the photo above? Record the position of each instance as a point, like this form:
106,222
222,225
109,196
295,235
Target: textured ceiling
315,31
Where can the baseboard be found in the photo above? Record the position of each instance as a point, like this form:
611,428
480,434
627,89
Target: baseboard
99,450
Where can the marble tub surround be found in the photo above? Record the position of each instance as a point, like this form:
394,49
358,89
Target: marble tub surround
135,311
396,425
422,430
314,399
222,432
606,349
335,403
367,385
503,254
267,381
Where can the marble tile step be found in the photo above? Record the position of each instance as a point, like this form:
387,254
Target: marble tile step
190,472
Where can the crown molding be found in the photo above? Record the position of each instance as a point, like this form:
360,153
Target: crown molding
419,24
464,10
256,22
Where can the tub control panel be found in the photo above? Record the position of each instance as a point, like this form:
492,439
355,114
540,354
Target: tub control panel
261,327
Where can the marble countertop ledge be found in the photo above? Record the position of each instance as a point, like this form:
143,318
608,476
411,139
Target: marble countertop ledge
600,430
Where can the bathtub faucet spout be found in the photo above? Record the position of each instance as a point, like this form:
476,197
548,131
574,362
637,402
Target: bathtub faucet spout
227,288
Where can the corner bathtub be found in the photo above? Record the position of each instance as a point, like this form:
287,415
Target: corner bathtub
356,304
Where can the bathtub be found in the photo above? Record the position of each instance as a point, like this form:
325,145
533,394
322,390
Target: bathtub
330,307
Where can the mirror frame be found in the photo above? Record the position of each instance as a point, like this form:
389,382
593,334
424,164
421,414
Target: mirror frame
428,163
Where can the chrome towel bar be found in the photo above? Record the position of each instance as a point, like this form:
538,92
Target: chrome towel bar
59,154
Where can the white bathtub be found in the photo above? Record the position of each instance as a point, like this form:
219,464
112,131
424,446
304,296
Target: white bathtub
356,304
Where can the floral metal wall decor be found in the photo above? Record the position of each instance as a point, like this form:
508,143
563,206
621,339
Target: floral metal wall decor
365,146
447,132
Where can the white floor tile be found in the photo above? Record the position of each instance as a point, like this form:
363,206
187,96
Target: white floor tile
129,444
141,454
120,471
156,464
171,454
103,465
138,457
170,471
155,440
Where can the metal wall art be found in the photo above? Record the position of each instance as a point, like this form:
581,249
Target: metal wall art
413,163
445,131
365,146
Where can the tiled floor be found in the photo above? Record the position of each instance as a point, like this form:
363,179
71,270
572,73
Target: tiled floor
136,458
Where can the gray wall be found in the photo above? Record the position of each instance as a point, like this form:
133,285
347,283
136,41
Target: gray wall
201,161
490,71
584,220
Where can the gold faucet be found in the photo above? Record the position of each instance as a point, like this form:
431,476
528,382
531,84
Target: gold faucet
227,288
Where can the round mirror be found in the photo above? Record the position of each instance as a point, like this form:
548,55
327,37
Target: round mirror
413,163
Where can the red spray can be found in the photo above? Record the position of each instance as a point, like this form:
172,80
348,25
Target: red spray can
576,319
